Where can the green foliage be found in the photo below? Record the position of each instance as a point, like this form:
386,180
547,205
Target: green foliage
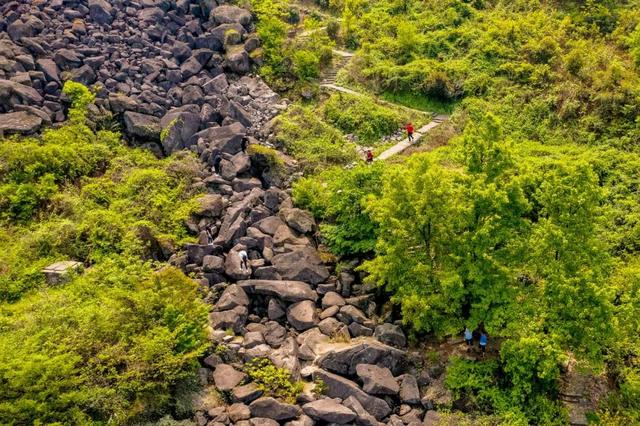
302,134
361,116
338,197
110,345
273,381
288,61
80,97
119,343
486,387
552,71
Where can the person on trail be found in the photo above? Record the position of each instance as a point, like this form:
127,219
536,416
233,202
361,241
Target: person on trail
217,159
410,132
483,342
244,259
468,336
244,144
369,156
209,235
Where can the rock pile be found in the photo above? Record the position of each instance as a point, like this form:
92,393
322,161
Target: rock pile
171,68
288,307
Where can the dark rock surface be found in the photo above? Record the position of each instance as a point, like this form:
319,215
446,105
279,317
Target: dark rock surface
182,63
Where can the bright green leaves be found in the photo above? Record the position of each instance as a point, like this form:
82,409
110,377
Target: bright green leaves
113,343
338,197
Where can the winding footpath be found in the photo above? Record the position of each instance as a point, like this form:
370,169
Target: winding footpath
330,83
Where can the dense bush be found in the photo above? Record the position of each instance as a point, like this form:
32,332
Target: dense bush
273,381
338,197
110,346
301,133
288,62
361,116
118,343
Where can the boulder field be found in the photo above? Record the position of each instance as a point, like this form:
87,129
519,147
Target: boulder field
174,73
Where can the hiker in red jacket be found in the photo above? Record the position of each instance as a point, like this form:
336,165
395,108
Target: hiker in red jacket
369,156
410,131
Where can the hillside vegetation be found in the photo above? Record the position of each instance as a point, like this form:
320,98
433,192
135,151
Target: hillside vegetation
526,223
120,342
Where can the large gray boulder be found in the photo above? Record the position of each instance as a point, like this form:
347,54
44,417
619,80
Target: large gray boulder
19,122
100,11
246,393
329,410
302,315
300,220
363,418
271,408
363,351
226,377
301,265
211,205
143,126
232,297
390,334
339,387
225,138
409,391
233,319
228,14
178,127
12,93
287,291
237,61
377,380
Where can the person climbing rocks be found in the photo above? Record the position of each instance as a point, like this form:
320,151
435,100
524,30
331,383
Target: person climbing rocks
217,159
410,132
244,144
483,342
468,336
244,259
369,156
210,238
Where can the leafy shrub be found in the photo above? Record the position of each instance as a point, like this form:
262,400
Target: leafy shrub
361,116
108,346
273,381
314,143
338,198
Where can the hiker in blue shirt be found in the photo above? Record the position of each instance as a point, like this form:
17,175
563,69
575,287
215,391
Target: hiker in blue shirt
483,343
468,336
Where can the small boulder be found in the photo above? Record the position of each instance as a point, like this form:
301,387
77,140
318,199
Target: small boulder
226,377
302,315
329,410
271,408
377,380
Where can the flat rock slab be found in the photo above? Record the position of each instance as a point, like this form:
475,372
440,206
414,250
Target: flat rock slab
271,408
339,387
329,410
363,351
288,291
19,122
57,273
226,377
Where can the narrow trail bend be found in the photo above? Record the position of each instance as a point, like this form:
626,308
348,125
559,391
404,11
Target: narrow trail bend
329,82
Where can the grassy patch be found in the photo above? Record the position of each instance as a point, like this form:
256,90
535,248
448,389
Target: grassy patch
420,102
